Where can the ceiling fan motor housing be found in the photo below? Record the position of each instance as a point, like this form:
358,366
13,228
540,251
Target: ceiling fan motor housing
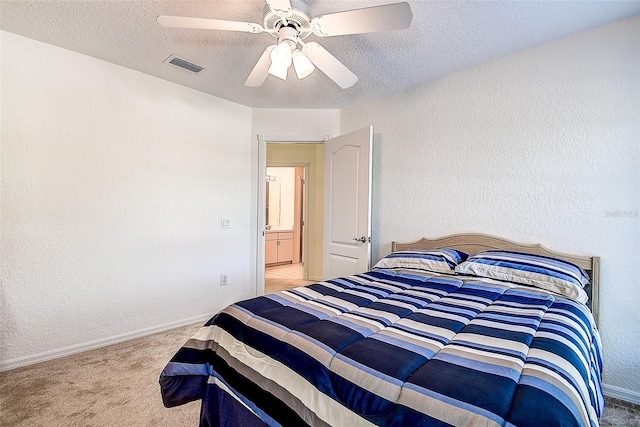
298,18
288,35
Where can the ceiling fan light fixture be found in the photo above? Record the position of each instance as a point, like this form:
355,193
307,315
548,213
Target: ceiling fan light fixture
281,55
291,22
279,70
302,64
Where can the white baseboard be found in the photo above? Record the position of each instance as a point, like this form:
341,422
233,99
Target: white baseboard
621,393
19,362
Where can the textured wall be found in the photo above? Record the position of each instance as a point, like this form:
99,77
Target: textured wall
541,146
113,187
277,121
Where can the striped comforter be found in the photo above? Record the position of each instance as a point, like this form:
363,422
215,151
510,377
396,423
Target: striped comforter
383,348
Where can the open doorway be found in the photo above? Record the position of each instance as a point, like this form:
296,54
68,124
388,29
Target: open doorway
293,214
284,238
311,150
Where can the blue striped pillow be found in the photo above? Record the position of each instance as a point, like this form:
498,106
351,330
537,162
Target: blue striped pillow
548,273
441,260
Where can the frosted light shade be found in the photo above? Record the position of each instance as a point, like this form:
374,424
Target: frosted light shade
279,70
301,64
281,55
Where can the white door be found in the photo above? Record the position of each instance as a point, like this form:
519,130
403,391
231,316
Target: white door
347,204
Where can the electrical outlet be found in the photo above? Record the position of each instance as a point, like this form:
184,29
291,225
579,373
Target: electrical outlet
223,280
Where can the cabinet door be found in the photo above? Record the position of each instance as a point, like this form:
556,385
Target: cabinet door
285,248
271,251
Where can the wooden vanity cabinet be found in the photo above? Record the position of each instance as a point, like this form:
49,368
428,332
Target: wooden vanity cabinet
278,247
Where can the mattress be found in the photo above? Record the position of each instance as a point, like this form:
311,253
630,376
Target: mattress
393,348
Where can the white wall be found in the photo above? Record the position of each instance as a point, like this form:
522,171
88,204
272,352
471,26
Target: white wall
274,121
113,187
541,146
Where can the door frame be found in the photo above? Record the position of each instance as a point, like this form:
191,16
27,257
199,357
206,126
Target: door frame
261,176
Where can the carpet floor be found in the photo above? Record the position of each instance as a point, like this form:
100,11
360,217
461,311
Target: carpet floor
110,386
118,386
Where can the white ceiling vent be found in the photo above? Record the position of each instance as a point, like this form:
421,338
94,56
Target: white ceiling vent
185,65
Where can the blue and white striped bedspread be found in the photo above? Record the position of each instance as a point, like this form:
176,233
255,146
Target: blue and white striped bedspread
389,349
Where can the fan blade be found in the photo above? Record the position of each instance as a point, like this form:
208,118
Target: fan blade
396,16
281,8
208,24
260,70
328,64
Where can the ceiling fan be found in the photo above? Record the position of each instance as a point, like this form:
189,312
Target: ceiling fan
290,22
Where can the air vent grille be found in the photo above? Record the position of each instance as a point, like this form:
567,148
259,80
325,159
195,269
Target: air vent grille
185,65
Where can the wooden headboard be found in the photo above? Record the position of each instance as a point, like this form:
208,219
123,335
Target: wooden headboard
472,243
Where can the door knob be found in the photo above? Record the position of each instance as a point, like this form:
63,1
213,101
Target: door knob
362,239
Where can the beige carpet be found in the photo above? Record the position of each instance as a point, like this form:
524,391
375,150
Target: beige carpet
118,386
112,386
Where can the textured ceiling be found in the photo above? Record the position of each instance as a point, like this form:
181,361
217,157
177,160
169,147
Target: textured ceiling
444,37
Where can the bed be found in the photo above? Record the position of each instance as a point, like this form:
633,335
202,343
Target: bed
466,329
